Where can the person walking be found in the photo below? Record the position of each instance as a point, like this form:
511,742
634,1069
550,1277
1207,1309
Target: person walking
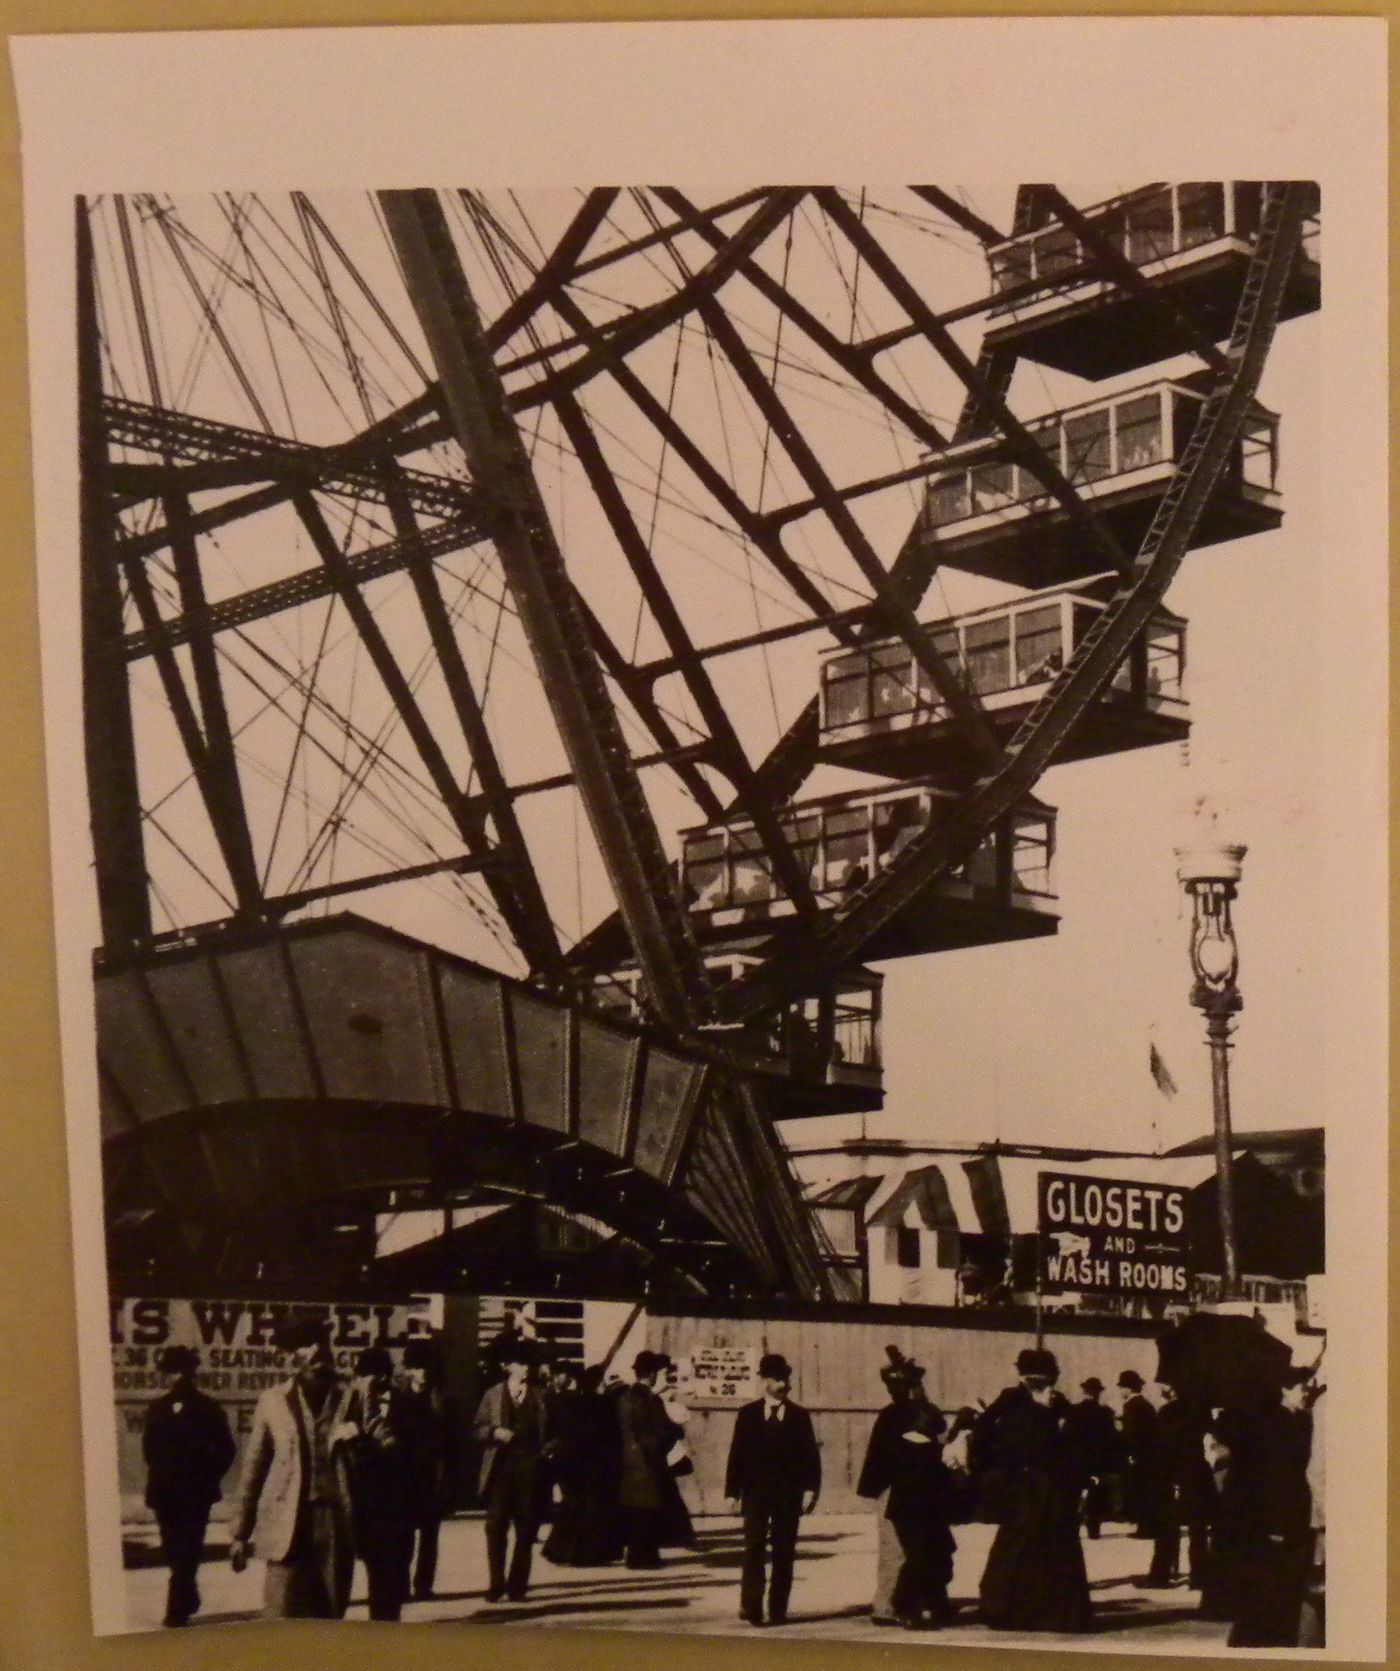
1186,1487
654,1516
920,1507
373,1451
292,1491
904,1382
1143,1486
586,1466
425,1435
773,1477
188,1449
1271,1497
1092,1434
510,1427
1035,1577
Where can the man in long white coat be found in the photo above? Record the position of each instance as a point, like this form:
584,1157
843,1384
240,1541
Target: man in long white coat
292,1506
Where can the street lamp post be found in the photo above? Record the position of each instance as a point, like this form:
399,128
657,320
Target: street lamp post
1210,874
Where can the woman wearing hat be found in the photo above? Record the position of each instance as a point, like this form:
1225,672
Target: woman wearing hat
886,1452
1035,1577
653,1513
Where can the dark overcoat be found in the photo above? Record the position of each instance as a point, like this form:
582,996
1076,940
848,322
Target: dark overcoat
188,1449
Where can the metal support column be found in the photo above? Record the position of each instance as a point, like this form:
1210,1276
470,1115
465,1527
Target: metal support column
110,746
536,574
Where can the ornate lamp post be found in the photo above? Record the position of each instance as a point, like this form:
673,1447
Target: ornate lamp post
1210,874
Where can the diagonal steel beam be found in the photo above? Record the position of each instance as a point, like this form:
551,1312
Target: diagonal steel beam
747,520
1020,442
960,214
614,341
226,807
1130,277
889,605
558,268
853,358
729,753
293,590
588,725
346,587
512,881
231,455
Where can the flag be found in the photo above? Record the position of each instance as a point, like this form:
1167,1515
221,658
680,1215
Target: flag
1160,1072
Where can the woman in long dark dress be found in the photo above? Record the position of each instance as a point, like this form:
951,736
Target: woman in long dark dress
654,1515
587,1529
1035,1577
920,1505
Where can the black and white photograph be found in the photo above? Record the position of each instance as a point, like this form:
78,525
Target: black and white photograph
720,865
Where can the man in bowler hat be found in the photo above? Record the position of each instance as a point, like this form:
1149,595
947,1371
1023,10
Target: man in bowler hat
1144,1486
188,1449
510,1427
1092,1434
774,1475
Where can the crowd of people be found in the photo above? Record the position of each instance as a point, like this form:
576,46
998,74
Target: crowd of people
337,1472
1241,1481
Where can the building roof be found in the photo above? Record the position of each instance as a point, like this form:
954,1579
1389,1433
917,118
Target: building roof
848,1192
1307,1142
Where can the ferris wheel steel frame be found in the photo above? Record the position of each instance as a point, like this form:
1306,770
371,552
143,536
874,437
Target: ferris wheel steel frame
574,654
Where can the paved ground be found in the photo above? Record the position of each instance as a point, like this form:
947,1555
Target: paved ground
697,1591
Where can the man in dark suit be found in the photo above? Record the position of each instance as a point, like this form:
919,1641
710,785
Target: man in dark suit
1143,1488
1092,1434
188,1450
1186,1491
774,1474
425,1433
510,1426
373,1452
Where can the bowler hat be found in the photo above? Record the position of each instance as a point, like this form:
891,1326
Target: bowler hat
1035,1360
1092,1385
420,1354
178,1360
1131,1380
647,1363
374,1360
773,1366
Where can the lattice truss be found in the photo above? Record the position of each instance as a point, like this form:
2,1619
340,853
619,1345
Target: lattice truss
706,429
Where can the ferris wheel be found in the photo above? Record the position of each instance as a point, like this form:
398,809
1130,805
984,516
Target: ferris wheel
670,604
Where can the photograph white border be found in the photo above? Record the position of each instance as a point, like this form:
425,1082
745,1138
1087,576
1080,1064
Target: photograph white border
850,101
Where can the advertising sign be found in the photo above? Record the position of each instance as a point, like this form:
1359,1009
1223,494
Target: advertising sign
239,1358
1112,1236
718,1375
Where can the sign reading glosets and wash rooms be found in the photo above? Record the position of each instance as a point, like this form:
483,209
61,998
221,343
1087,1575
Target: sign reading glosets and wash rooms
1111,1236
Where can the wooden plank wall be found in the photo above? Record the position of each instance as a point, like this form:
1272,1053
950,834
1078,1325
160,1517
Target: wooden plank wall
836,1375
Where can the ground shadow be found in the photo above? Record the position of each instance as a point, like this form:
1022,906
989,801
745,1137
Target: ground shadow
1136,1618
564,1610
138,1555
555,1593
